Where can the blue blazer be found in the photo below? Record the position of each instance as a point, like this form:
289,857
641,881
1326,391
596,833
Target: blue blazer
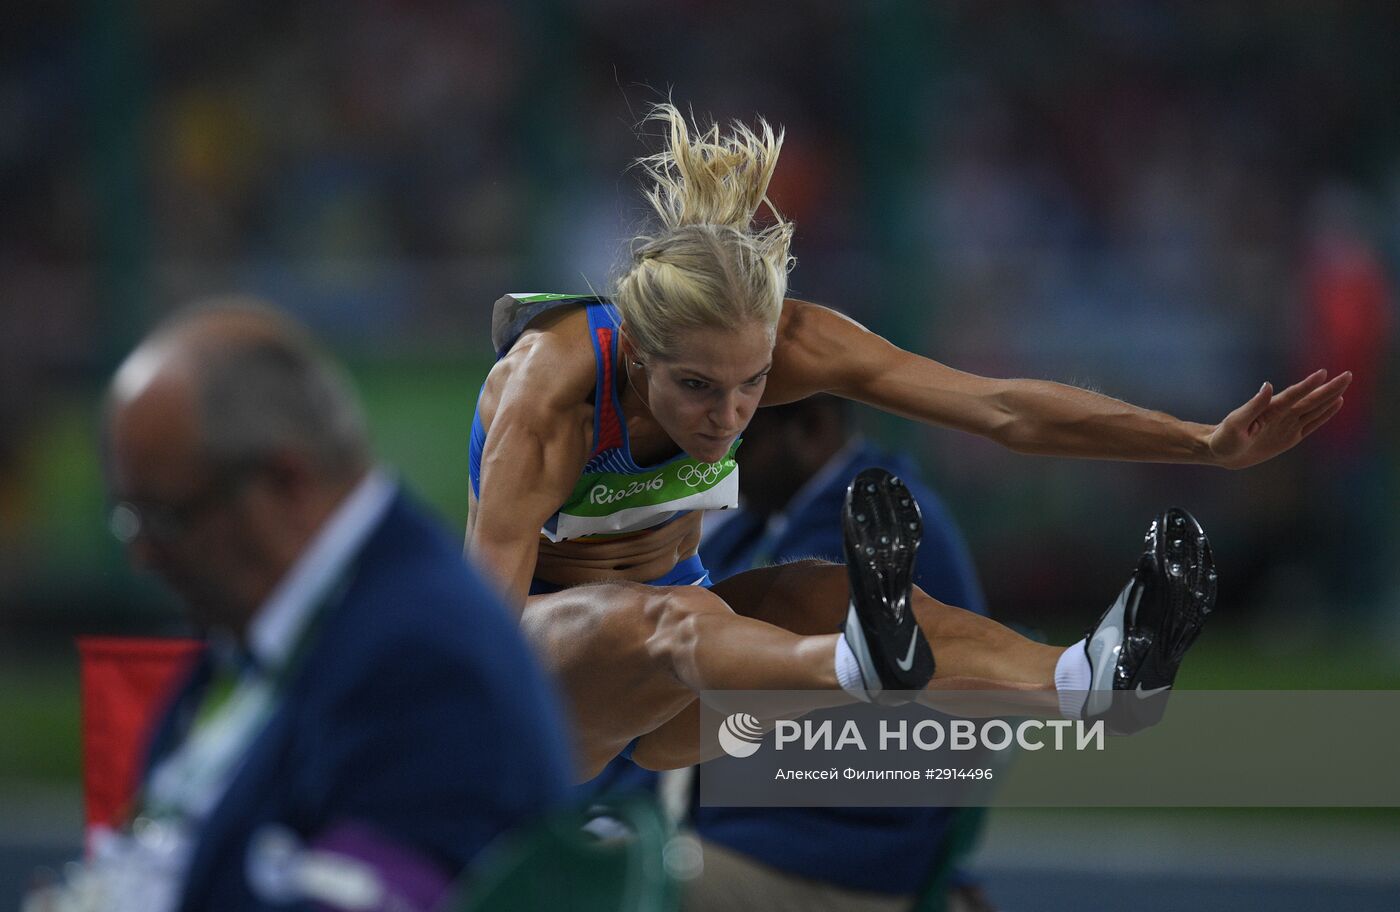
418,711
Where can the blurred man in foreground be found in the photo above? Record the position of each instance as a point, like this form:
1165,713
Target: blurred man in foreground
366,704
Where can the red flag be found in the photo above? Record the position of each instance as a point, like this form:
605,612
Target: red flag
126,682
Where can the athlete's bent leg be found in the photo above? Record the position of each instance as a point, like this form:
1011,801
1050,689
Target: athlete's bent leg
970,651
706,645
630,657
810,597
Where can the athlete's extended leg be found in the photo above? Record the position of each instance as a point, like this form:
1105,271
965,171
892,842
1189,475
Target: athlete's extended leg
1137,646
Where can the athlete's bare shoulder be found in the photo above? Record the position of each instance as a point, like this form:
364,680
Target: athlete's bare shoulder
551,366
814,327
811,351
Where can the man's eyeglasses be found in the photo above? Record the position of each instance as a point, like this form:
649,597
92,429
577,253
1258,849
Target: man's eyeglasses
167,522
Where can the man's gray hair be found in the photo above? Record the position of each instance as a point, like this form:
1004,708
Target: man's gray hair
271,389
265,395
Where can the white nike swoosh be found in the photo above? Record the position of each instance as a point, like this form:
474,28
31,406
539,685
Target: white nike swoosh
908,661
1144,694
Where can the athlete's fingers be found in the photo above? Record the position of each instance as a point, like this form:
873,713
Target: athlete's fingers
1306,407
1301,388
1251,417
1254,408
1318,421
1313,414
1324,394
1308,414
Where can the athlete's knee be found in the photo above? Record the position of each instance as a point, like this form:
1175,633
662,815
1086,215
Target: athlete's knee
676,617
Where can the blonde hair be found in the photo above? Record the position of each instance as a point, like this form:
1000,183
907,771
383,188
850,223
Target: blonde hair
708,265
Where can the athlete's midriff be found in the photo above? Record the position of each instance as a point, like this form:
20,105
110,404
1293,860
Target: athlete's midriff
639,558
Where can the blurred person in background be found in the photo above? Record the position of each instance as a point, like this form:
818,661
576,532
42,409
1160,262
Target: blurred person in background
796,459
364,698
1349,313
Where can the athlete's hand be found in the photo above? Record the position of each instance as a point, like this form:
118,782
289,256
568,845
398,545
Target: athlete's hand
1269,424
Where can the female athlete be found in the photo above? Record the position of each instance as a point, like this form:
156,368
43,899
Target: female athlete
608,426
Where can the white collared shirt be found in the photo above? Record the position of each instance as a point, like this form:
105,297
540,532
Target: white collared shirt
277,625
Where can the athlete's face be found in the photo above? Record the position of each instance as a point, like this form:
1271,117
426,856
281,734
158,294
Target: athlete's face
703,399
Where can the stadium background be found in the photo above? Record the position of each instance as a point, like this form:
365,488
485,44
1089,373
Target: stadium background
1168,203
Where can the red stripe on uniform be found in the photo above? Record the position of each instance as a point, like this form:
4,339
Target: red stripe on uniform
609,422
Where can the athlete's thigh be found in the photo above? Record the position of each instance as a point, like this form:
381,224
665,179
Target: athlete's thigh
593,639
806,597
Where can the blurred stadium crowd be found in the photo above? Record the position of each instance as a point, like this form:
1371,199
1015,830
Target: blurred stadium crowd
1164,202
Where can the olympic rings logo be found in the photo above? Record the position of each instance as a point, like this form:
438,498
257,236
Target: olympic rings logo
701,473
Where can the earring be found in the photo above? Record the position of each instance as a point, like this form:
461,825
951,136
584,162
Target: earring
637,364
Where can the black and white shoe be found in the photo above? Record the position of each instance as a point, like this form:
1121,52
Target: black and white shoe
1135,650
882,529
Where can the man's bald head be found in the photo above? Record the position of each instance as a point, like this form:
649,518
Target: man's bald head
257,386
230,441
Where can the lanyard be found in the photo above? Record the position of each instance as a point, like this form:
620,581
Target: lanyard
233,711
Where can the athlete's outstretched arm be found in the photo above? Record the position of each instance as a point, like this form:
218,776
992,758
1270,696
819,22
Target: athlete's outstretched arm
820,350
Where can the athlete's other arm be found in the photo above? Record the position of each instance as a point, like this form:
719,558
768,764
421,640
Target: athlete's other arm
537,443
820,350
